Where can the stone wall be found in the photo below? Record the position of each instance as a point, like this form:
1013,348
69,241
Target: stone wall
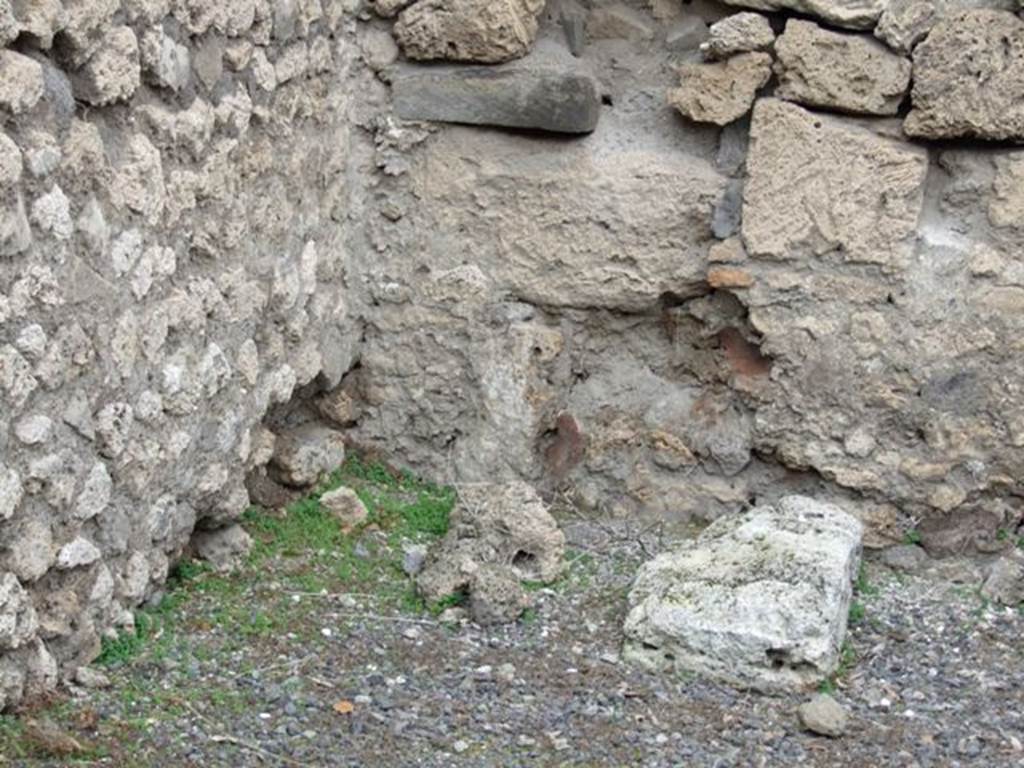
678,315
659,258
173,208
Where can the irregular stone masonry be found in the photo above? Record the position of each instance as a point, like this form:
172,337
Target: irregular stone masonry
208,209
172,201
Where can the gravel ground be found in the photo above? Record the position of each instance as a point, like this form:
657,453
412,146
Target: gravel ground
281,665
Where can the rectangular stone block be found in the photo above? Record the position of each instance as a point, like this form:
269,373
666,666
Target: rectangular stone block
512,96
758,600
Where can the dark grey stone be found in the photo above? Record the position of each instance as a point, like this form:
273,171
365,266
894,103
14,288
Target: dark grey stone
686,34
575,27
725,221
514,95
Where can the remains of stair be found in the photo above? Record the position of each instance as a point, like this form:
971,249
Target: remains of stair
759,600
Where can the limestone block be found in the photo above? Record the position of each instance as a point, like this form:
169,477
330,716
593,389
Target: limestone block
223,548
855,14
740,33
77,554
113,72
41,19
18,622
570,234
758,599
721,92
1004,582
52,214
303,455
31,553
969,78
843,72
468,30
165,62
801,200
10,492
390,8
21,82
9,26
10,163
904,23
345,506
87,24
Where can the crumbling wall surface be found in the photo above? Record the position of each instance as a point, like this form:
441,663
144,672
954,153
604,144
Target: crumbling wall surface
806,282
172,207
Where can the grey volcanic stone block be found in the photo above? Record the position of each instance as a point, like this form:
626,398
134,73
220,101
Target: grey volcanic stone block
759,600
547,98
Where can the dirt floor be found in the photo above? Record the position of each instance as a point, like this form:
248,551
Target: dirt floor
318,652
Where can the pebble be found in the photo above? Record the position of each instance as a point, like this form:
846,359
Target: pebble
823,715
460,746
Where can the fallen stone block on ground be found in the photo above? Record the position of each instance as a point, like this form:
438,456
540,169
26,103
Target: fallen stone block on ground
759,600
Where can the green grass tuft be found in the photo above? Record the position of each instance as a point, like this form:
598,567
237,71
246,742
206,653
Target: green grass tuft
912,536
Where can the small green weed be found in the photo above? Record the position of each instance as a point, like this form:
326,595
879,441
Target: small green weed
128,644
857,612
863,586
451,601
912,536
847,661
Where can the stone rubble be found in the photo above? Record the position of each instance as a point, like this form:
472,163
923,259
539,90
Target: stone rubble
345,506
823,715
499,536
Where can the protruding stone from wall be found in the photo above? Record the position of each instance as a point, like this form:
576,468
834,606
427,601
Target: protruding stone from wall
468,30
969,78
842,72
516,95
758,599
